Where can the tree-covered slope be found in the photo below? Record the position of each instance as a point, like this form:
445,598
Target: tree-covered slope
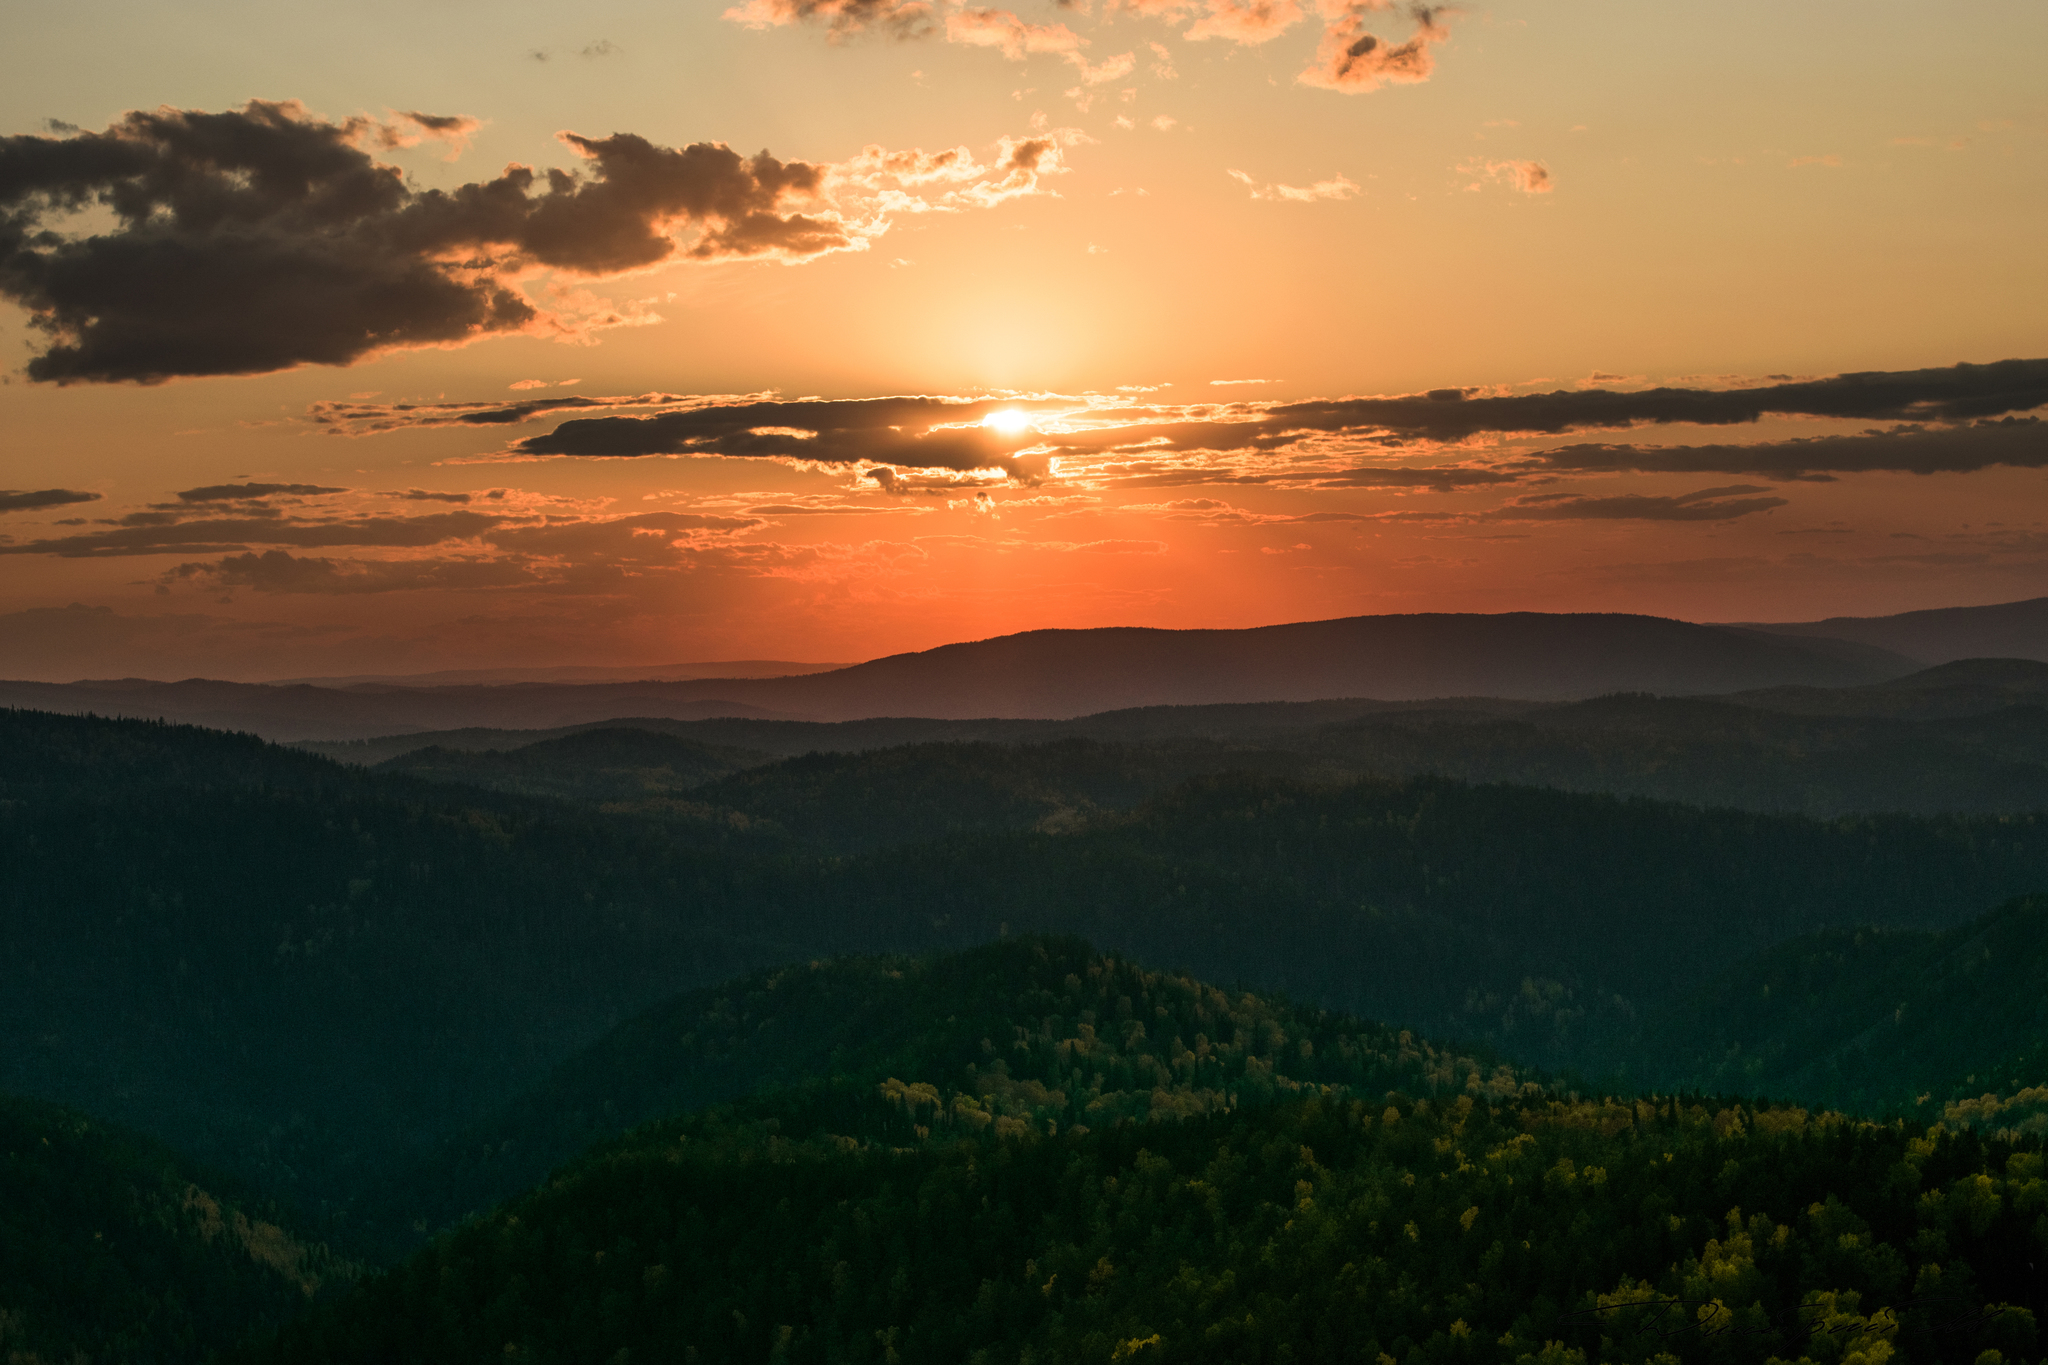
301,980
112,1251
606,764
846,803
1714,753
1043,1029
873,1225
1540,920
313,984
1870,1020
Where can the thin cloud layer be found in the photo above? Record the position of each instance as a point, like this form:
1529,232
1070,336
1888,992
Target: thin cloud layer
1952,394
1954,418
899,18
1336,187
1245,22
2015,442
1708,504
264,238
1530,177
1348,58
17,500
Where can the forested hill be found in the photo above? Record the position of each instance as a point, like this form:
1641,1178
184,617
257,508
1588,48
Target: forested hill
882,1224
50,758
312,984
111,1250
1044,1030
1541,921
1876,1021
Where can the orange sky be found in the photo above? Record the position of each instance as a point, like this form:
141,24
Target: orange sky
1144,237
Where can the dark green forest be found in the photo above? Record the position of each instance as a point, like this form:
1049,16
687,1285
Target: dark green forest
111,1249
1871,1021
1327,1228
307,972
1084,1039
814,1084
1036,1203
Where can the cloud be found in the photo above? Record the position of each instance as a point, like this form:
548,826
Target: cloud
410,128
366,419
1351,60
13,500
899,18
1000,29
2017,442
1949,394
1708,504
1247,22
249,492
148,533
1337,187
1530,177
916,433
1945,418
279,571
264,238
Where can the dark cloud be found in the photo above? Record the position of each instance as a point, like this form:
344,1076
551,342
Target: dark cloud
1708,504
364,419
263,238
423,495
1959,393
2020,442
898,18
12,500
1956,393
249,492
148,533
278,571
919,433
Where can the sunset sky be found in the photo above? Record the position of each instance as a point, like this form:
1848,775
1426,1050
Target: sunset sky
379,337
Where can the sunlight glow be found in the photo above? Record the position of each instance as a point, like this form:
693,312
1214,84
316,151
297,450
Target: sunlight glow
1008,422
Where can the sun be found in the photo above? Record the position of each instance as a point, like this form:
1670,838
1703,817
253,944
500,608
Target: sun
1008,422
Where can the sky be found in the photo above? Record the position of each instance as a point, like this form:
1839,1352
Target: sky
380,338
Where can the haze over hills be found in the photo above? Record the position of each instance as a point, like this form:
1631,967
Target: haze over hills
2010,630
573,673
1963,737
1058,674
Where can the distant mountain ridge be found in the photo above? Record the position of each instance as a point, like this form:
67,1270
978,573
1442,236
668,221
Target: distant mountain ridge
2009,630
1058,674
572,673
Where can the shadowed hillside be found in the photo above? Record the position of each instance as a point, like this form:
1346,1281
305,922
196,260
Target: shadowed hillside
112,1250
1045,1031
1870,1020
